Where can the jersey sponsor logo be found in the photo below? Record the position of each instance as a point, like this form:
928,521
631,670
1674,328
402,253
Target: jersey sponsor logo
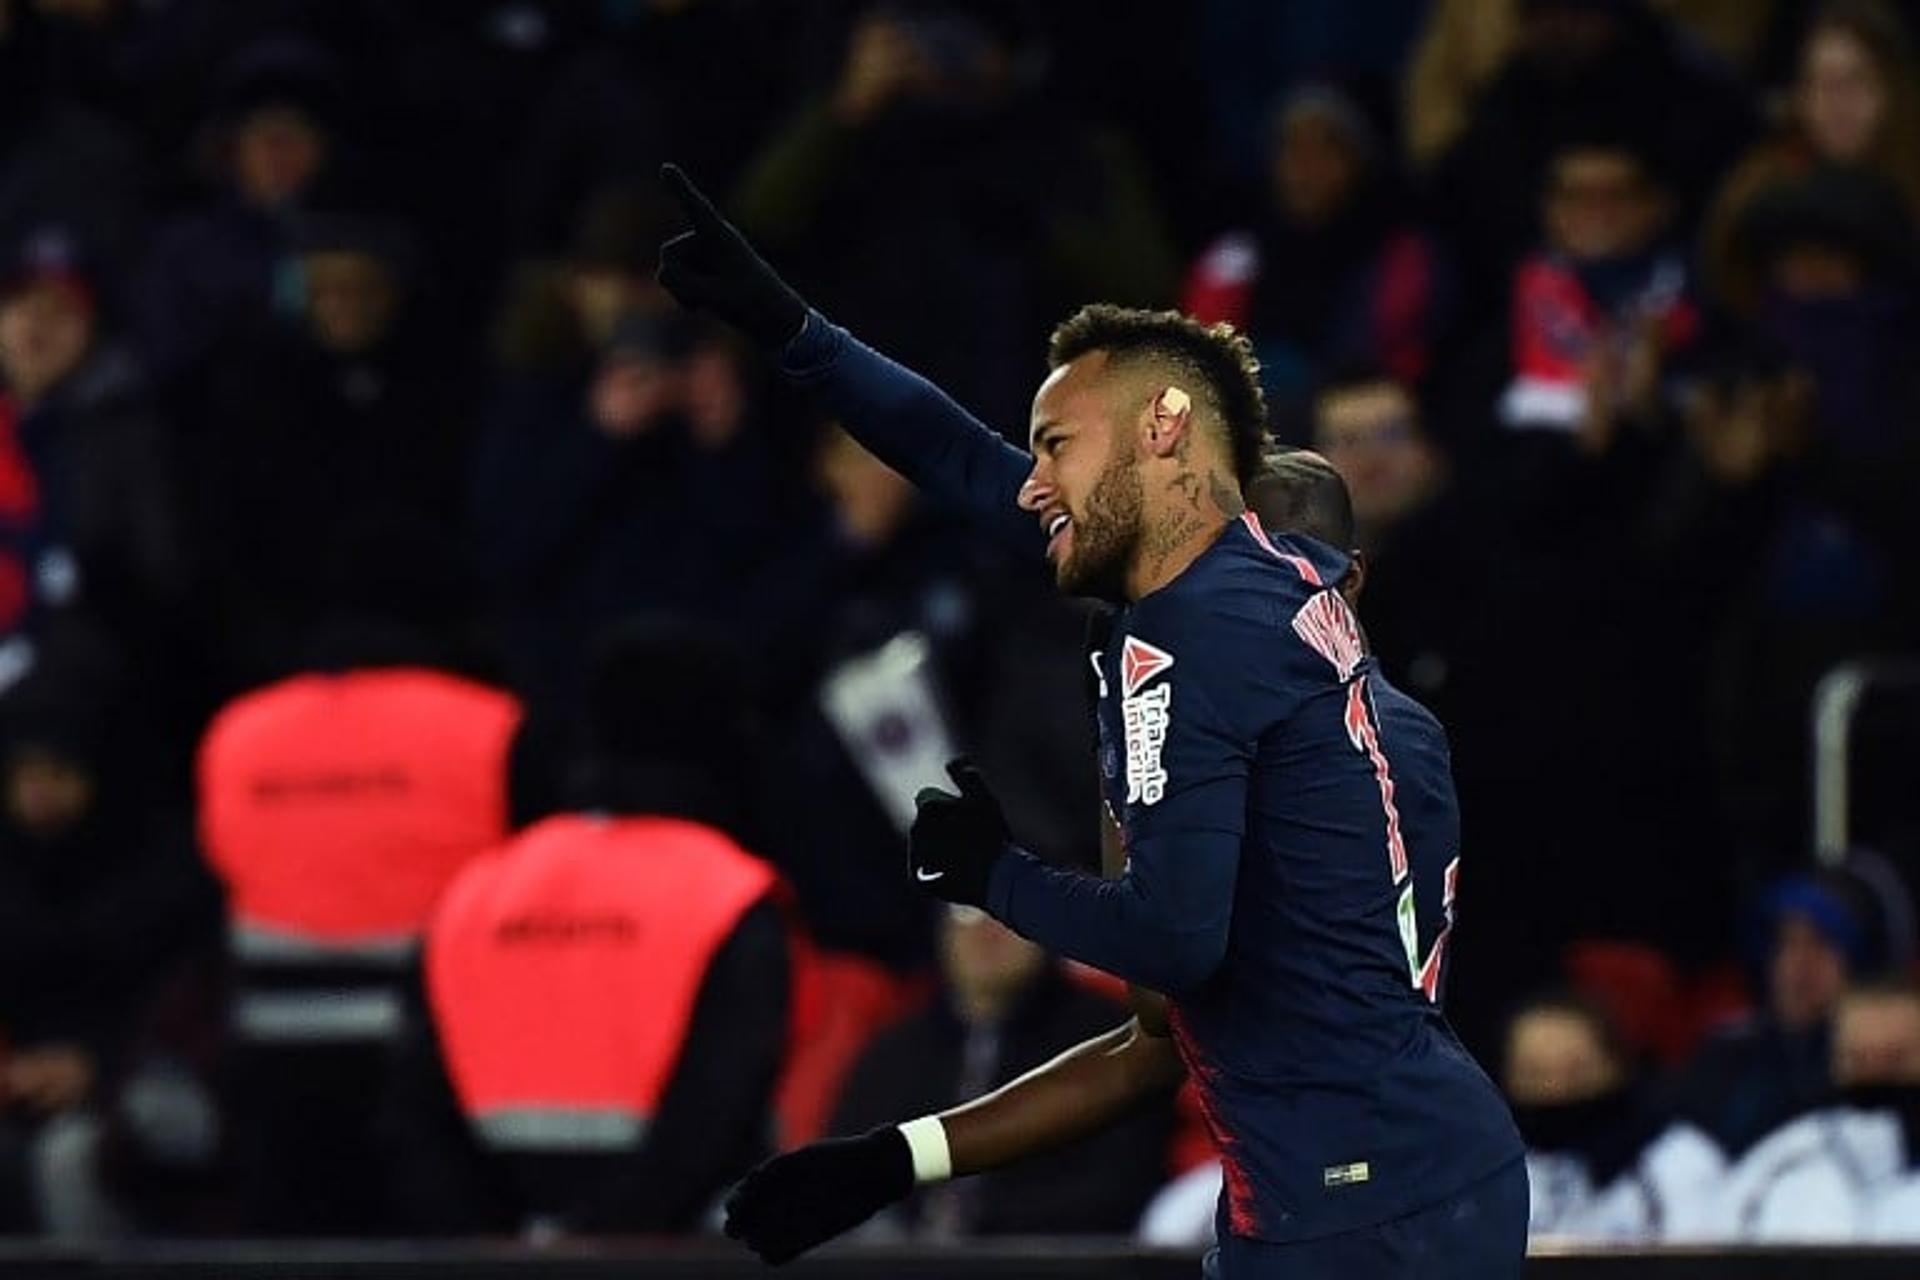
1139,663
1329,628
1144,716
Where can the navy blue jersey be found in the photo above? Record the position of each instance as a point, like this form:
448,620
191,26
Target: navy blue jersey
1292,843
1240,699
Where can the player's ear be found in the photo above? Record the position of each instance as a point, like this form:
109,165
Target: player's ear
1169,417
1356,580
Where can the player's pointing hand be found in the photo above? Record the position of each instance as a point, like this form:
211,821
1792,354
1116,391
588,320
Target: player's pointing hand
712,267
956,839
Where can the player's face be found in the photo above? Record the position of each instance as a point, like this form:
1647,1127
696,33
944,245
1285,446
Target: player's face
1085,488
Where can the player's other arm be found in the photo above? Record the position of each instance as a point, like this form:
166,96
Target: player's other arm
1082,1091
1149,1007
806,1197
908,423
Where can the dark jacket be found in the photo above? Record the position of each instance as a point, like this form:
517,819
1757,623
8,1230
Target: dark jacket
1007,673
573,530
1750,1080
298,449
711,1124
93,919
104,481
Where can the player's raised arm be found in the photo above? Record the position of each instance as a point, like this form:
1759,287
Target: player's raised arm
906,421
806,1197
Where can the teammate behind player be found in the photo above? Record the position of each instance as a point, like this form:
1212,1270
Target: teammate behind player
1268,888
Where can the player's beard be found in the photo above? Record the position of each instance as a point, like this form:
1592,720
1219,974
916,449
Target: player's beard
1107,533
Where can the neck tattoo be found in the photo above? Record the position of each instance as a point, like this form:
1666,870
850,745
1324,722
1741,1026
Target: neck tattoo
1225,496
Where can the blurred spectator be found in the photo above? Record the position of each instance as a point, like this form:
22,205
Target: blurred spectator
642,91
87,500
1848,1171
651,486
890,646
220,272
559,313
1791,515
61,161
1855,103
1257,51
1406,521
1735,31
1476,647
1098,56
1603,312
1597,1163
888,571
1820,933
610,994
935,194
1579,69
1464,45
82,46
1370,430
344,414
1334,275
100,899
1005,1008
1877,1066
1837,263
335,805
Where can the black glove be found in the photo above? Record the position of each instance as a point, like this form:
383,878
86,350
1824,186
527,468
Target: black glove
712,267
807,1197
955,840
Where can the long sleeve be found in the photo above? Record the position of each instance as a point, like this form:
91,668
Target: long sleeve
915,428
1162,925
1163,922
714,1118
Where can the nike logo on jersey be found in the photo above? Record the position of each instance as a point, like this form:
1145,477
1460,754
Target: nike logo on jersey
925,876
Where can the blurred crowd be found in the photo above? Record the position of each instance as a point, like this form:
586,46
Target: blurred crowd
435,671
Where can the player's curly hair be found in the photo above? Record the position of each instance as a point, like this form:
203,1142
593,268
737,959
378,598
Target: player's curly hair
1219,358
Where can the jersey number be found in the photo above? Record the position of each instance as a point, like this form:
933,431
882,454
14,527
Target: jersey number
1364,734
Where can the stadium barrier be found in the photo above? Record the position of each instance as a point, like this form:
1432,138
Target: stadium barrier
999,1260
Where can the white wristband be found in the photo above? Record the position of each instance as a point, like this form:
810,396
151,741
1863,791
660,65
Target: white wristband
927,1140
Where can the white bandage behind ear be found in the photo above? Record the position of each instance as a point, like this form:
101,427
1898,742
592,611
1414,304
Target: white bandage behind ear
927,1140
1175,401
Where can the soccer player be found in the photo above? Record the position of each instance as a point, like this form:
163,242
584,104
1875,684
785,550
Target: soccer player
1268,888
